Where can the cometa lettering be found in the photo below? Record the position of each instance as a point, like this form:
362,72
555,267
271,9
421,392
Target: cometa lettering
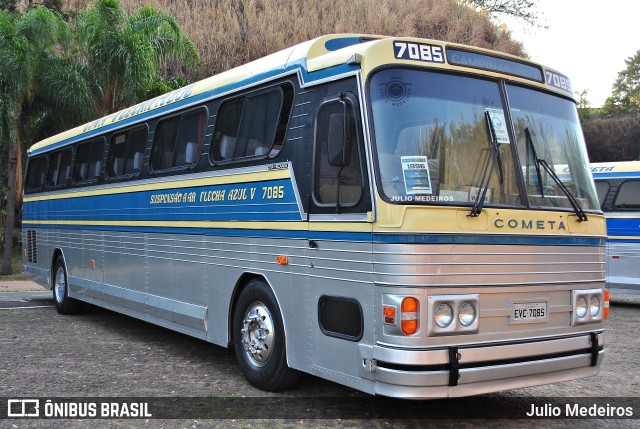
553,225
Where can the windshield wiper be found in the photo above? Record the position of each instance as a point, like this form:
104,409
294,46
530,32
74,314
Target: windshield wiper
535,159
492,159
582,216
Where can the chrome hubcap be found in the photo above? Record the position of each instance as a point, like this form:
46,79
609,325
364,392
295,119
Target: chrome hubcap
60,284
258,334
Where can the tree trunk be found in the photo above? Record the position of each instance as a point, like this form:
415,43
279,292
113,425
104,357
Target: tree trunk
19,180
11,211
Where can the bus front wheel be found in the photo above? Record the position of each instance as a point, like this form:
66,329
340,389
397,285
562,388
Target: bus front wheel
259,340
64,304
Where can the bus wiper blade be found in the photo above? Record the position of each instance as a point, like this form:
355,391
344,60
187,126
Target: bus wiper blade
582,216
493,157
536,160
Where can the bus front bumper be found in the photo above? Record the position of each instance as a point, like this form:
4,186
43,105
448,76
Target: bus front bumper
474,370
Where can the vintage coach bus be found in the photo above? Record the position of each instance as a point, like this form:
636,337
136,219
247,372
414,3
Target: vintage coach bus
378,211
618,188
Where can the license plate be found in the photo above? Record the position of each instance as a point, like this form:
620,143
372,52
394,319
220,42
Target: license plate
529,311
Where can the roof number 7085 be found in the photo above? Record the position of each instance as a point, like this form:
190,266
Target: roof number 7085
418,51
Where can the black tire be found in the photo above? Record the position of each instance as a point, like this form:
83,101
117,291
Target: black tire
64,304
257,311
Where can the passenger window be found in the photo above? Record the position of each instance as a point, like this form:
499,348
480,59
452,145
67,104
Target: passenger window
126,153
253,125
628,196
36,173
602,189
88,163
59,168
337,185
178,141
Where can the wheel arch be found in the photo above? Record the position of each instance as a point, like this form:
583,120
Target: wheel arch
241,283
57,252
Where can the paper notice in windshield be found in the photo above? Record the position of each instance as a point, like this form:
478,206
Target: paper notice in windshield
416,174
499,125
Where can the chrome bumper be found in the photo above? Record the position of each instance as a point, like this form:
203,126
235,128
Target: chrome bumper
464,371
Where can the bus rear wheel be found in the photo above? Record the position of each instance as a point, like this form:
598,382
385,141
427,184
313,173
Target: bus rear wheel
259,340
64,304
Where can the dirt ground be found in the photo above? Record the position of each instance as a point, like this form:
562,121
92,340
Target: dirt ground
101,354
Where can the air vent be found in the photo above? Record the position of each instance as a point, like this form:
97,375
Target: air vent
32,248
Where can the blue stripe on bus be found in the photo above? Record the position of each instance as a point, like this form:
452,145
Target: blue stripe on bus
343,236
230,202
207,95
623,240
491,239
623,226
626,175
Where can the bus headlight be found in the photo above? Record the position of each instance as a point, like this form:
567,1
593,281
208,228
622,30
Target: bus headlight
466,314
594,306
587,306
581,307
453,314
443,315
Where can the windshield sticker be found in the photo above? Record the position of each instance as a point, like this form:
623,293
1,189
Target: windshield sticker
499,125
416,174
474,191
396,92
418,52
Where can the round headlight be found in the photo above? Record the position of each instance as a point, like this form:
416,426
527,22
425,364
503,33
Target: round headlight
581,307
594,306
467,314
443,315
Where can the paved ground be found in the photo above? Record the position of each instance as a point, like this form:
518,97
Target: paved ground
19,286
103,354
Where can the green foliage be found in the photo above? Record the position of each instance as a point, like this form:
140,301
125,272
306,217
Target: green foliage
35,52
625,96
124,51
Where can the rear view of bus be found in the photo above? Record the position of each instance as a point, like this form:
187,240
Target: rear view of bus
618,187
406,217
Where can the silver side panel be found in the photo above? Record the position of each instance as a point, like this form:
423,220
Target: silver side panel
183,282
623,260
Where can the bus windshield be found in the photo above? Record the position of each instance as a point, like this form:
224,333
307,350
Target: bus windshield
444,138
547,129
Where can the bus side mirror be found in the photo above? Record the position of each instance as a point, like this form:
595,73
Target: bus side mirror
339,139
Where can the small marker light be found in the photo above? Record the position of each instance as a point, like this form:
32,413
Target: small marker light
389,314
607,295
282,260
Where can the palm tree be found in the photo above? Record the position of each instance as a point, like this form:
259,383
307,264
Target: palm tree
41,88
125,52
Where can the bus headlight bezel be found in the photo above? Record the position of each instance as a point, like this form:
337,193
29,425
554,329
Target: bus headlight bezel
584,308
460,306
